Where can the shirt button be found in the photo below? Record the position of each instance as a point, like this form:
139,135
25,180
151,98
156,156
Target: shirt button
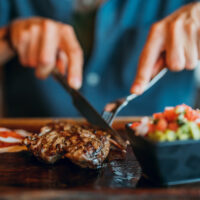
93,79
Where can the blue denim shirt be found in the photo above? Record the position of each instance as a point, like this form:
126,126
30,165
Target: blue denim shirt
121,30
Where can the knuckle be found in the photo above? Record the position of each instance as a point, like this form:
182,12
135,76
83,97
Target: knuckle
45,61
66,29
173,27
47,24
22,37
176,22
175,65
190,65
156,28
34,28
77,51
190,28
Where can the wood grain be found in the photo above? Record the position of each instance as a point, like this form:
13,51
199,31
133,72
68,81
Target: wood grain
36,123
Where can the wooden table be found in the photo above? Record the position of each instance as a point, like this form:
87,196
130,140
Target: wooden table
23,177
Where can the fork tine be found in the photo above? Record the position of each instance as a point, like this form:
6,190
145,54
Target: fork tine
107,116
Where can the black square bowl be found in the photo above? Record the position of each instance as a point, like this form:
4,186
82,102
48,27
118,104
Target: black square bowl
167,163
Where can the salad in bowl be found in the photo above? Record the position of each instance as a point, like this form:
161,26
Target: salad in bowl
175,123
167,145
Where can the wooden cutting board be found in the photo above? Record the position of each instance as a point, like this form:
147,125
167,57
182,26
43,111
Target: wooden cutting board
23,170
22,176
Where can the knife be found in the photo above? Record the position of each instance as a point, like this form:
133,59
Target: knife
86,109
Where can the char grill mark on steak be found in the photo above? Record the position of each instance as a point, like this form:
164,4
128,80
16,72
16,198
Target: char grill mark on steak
82,144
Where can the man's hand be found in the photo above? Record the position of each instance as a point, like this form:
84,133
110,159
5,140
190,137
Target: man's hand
173,42
43,44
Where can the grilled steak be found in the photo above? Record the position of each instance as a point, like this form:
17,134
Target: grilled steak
83,145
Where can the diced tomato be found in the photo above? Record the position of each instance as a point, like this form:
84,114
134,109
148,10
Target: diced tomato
151,128
158,115
186,107
10,134
173,126
192,115
170,115
135,124
161,125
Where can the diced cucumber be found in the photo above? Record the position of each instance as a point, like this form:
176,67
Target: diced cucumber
159,136
183,133
183,136
190,130
170,135
181,120
194,131
180,110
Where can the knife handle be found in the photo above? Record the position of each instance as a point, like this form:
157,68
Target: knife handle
61,79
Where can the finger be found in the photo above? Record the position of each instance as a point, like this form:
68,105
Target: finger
71,47
22,47
5,51
175,58
3,32
62,62
198,43
33,47
16,28
191,48
160,64
148,59
48,50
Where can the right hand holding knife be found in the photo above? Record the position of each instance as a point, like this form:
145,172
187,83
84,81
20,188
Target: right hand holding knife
43,44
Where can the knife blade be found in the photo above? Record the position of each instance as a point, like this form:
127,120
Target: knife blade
86,109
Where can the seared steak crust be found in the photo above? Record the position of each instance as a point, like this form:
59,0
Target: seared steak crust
84,145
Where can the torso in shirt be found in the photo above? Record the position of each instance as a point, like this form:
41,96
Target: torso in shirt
120,31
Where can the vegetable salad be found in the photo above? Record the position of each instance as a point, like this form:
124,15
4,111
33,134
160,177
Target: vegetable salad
175,123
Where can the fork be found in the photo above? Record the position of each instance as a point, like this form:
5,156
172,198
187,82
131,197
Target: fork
112,109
